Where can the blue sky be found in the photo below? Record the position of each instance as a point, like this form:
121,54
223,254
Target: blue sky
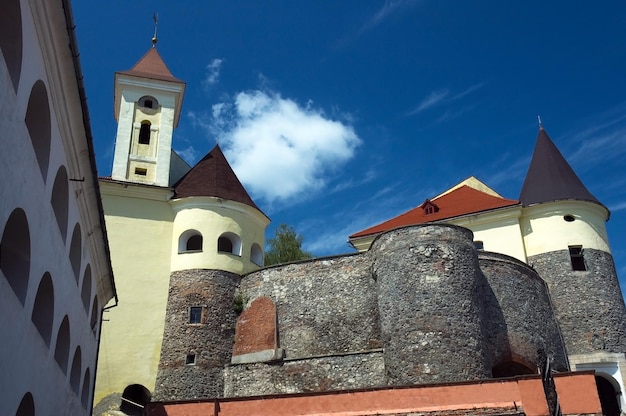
337,115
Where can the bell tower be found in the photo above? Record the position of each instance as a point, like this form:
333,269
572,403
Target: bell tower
148,101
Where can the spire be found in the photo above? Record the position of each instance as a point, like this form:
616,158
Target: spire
213,176
151,65
550,177
155,17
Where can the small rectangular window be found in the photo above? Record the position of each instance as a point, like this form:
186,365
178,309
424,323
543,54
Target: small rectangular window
190,359
576,255
195,315
479,245
141,171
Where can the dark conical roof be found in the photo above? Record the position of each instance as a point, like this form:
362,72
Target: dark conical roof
213,176
550,177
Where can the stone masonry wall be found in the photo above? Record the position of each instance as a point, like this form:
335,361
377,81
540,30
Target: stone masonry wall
324,306
351,371
588,304
520,319
428,298
211,341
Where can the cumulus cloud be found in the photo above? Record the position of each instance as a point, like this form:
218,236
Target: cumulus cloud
279,149
212,72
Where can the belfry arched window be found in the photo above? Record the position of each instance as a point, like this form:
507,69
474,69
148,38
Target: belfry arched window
144,133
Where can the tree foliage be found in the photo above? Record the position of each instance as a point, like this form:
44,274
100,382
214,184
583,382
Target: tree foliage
285,246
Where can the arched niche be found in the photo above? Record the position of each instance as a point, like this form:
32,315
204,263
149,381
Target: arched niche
38,124
75,373
95,313
43,309
133,395
11,39
15,253
27,406
229,243
60,200
62,348
76,251
85,292
190,241
84,395
256,254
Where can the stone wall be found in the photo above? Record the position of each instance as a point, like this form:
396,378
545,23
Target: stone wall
325,306
211,341
588,304
520,320
428,299
337,372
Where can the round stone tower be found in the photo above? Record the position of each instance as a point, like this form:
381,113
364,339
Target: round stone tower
428,298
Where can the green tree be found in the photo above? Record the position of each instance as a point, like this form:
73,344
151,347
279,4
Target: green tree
285,246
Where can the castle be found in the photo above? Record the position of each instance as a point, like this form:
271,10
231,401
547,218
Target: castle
468,286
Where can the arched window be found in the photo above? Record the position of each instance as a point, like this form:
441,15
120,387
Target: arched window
43,309
85,292
59,200
144,132
11,39
84,395
15,253
62,349
147,101
608,391
134,395
190,240
27,406
256,254
38,124
95,312
76,251
229,243
76,370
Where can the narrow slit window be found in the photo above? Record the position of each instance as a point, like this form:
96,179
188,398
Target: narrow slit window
576,255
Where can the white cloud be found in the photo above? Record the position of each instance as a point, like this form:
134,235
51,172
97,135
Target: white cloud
212,72
279,149
438,97
390,7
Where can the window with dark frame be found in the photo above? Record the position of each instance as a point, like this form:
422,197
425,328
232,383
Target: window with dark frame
194,243
576,255
190,359
479,245
195,315
144,133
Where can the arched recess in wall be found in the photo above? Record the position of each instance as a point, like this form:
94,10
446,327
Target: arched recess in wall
11,39
27,406
608,392
511,368
38,124
144,132
43,309
148,101
62,348
133,395
229,243
76,370
15,253
85,292
59,200
256,254
84,394
95,313
190,241
76,250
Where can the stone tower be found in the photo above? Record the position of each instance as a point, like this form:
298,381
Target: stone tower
148,100
218,235
563,227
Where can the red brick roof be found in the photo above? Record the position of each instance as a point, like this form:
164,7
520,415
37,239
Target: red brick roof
213,176
461,201
151,65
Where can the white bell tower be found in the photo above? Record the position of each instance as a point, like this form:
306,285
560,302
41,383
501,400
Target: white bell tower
148,101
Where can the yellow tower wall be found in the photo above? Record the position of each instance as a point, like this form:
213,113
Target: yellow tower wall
139,224
212,217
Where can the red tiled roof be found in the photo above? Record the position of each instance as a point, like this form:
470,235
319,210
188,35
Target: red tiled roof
461,201
213,176
151,65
